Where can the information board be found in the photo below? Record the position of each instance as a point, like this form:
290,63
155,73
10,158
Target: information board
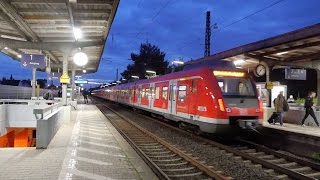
33,61
295,74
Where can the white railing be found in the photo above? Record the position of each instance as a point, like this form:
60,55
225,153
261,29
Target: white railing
47,110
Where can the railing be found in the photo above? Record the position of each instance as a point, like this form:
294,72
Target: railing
18,92
46,110
24,101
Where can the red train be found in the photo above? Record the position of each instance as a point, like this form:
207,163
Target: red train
212,100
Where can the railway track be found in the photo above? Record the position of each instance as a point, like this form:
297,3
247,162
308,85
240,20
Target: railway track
277,164
166,161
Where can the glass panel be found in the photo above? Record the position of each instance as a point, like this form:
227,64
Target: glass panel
164,93
157,92
236,86
182,93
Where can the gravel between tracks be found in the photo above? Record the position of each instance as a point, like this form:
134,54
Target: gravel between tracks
212,156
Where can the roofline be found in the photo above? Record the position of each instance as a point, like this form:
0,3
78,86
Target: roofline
303,33
116,3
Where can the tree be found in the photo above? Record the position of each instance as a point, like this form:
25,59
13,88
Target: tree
149,58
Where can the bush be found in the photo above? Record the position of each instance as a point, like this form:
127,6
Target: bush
300,101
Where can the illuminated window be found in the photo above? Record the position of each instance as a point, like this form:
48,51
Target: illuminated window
182,93
157,92
147,93
165,93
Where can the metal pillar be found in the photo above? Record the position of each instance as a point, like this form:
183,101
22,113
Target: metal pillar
64,71
318,87
34,70
267,80
73,85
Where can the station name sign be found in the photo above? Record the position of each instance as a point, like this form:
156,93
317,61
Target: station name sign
296,74
33,61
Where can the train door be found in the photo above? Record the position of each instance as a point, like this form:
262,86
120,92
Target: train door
151,95
134,89
139,95
173,97
193,97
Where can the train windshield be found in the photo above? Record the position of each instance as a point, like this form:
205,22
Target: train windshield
236,86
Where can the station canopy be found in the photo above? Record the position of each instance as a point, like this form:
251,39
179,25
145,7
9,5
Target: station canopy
300,48
27,26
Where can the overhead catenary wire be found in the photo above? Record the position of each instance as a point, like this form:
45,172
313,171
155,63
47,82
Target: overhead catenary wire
234,22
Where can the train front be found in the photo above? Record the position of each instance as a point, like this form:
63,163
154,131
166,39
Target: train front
240,103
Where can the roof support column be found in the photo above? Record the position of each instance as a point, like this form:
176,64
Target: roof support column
33,82
269,100
318,86
73,85
64,71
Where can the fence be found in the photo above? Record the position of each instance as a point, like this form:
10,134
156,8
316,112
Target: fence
18,92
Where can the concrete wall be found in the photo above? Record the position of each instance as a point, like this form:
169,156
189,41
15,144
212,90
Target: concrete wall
293,116
49,125
21,115
18,92
3,130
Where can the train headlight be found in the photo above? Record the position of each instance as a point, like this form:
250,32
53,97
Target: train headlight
228,109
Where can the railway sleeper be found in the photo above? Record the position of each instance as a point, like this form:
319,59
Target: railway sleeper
166,160
257,154
185,175
150,144
176,164
282,176
249,151
156,153
287,165
150,147
164,156
180,169
277,160
302,169
316,174
153,149
266,157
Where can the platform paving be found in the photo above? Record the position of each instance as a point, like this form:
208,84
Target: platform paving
87,148
307,130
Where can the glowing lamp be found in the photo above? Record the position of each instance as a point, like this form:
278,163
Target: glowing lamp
80,59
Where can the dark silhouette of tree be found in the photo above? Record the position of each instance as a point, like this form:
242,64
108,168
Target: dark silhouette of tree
11,78
149,58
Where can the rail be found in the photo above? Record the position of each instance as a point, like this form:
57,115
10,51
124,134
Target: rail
44,111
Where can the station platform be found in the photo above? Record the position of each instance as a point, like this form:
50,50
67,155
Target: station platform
294,128
88,147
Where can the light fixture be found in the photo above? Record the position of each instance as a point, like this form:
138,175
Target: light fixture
19,56
77,33
84,71
114,83
177,62
152,72
281,53
6,48
136,77
238,62
124,79
118,81
80,59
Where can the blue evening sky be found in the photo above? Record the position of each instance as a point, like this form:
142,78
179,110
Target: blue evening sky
177,27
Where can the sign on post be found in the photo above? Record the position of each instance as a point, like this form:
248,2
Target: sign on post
33,61
64,79
54,75
269,85
296,74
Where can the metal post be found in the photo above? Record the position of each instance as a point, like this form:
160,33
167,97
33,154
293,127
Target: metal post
34,70
64,71
267,80
73,85
318,87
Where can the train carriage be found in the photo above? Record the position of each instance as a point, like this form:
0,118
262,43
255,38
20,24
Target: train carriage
212,100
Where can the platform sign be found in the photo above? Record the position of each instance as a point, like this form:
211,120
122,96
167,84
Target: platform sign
33,61
80,81
269,85
296,74
54,75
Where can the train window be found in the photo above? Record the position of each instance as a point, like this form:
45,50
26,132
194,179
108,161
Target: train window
164,93
147,93
236,86
194,86
143,92
182,93
157,92
152,92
